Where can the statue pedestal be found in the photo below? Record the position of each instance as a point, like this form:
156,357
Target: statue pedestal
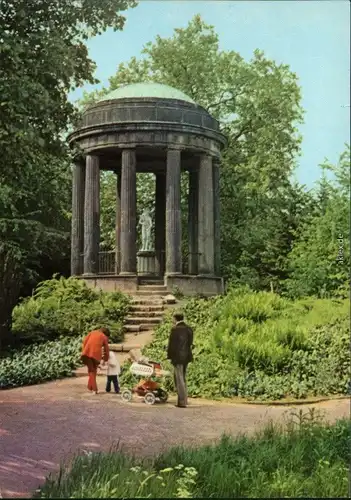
146,263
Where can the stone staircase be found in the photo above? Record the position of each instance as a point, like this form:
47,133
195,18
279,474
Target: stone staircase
147,310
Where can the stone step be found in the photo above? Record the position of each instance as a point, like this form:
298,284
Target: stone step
131,328
138,328
144,309
152,302
150,281
152,288
143,320
149,293
125,347
147,314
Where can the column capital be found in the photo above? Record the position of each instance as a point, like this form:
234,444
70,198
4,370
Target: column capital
79,160
214,157
206,160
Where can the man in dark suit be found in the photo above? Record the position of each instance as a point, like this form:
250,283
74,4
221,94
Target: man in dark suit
180,353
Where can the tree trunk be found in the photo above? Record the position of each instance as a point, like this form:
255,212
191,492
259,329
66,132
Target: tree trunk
10,279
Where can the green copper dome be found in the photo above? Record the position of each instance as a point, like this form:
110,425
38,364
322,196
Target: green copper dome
147,90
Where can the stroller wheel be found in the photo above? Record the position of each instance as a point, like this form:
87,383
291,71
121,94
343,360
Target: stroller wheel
150,398
126,395
163,396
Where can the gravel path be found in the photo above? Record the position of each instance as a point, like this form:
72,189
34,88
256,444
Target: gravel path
44,424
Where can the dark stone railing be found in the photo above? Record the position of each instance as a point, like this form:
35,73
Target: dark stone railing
107,262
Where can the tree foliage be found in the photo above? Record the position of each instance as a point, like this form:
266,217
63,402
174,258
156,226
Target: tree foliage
259,345
320,259
43,56
67,307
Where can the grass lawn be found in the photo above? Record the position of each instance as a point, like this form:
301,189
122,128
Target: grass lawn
306,458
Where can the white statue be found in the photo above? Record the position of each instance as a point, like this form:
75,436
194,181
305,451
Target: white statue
146,226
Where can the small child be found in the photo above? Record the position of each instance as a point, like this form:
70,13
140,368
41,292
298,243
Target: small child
113,370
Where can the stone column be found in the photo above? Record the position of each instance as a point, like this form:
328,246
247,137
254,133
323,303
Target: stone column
160,223
77,234
128,213
118,224
173,213
206,217
216,216
193,221
92,215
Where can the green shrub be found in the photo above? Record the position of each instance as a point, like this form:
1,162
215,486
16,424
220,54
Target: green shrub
39,363
68,307
304,460
260,346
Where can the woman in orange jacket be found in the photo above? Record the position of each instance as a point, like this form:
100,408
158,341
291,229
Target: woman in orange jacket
95,348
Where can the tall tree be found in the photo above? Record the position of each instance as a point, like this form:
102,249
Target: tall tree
320,259
43,56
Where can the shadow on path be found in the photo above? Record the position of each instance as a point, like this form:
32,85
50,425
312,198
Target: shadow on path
40,426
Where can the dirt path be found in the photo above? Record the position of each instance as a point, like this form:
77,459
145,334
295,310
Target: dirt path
44,424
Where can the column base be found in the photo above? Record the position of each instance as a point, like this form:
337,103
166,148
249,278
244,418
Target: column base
111,283
173,274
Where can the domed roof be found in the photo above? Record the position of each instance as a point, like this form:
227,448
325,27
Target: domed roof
144,89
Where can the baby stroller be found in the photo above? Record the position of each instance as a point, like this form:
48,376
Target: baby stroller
147,389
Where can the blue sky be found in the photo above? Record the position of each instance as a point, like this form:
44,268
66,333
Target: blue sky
311,36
